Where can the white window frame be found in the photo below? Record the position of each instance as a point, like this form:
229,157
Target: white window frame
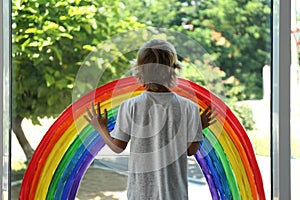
5,66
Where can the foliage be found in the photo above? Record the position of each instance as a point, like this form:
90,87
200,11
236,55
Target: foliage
245,115
215,80
155,13
236,33
50,41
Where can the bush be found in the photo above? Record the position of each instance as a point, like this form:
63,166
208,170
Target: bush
228,89
245,115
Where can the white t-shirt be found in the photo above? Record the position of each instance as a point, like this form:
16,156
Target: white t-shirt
159,125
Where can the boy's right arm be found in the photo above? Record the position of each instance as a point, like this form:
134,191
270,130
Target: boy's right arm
116,145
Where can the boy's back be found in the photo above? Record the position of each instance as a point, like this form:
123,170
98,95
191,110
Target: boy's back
159,125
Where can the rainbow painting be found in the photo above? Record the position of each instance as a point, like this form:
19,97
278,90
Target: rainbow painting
225,156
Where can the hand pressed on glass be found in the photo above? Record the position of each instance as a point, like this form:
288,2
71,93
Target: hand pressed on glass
95,118
99,122
208,117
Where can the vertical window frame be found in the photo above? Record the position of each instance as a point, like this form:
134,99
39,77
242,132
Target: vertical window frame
5,101
280,100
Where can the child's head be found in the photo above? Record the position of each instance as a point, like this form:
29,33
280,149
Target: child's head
156,64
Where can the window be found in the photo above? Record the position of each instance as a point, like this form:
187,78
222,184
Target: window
281,115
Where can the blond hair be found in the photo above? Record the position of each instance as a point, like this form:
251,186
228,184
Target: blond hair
156,64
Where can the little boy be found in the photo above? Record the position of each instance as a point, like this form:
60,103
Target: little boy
163,127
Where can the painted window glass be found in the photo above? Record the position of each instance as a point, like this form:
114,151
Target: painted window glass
61,50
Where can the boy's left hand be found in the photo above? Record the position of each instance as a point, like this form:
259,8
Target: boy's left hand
95,118
208,117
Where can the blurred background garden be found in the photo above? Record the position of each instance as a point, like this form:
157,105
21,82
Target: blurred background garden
52,39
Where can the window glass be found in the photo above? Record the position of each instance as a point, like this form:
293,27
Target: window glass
62,50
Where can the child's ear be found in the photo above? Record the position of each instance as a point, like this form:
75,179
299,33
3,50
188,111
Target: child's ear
177,66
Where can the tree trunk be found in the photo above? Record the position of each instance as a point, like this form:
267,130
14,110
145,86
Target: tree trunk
17,128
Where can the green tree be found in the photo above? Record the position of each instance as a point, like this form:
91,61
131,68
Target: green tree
236,33
242,40
50,42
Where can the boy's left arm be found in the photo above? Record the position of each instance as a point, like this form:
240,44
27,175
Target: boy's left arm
100,124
